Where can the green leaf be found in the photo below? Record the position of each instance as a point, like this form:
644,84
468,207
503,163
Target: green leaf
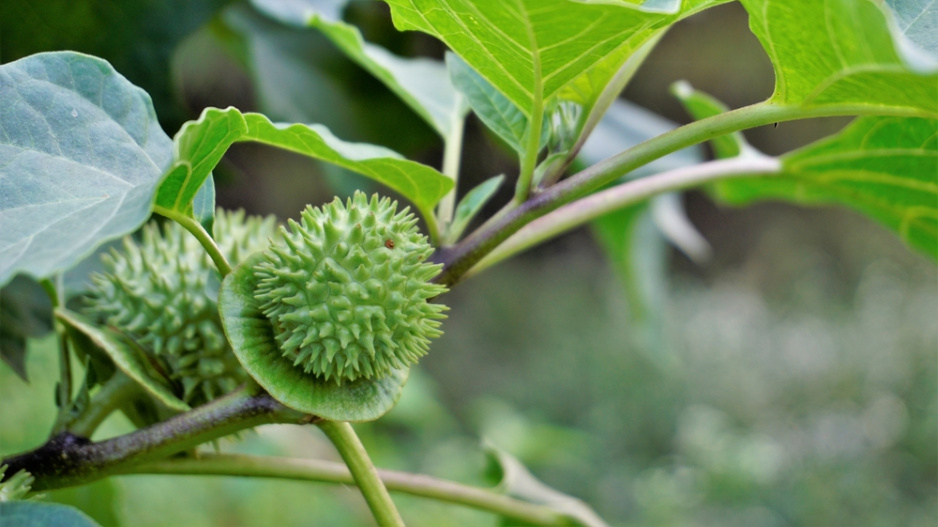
419,82
839,53
99,500
252,338
531,50
127,356
25,312
470,205
81,155
203,205
494,109
917,20
200,145
884,167
518,482
38,514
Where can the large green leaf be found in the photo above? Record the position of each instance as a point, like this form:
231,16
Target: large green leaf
127,356
38,514
501,115
421,83
885,167
840,53
81,155
200,145
918,21
531,50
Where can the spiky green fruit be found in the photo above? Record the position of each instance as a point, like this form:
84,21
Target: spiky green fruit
161,291
346,290
16,487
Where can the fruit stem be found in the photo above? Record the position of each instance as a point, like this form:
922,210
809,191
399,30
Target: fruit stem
366,476
197,230
452,153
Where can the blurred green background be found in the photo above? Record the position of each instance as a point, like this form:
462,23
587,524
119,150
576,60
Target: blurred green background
792,381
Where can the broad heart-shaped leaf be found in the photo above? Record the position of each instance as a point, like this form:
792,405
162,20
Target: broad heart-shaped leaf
885,167
421,83
918,21
81,155
252,338
126,355
200,145
530,50
39,514
839,53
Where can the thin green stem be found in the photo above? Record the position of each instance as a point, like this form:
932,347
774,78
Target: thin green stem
460,258
112,394
197,230
595,205
366,477
56,293
532,148
68,459
452,153
332,472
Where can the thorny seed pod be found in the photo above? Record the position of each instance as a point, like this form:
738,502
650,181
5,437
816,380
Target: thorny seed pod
161,292
346,290
16,487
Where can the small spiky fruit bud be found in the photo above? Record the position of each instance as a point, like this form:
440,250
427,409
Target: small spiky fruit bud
346,290
160,292
16,487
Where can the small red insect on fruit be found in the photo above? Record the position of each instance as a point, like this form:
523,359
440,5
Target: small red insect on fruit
389,244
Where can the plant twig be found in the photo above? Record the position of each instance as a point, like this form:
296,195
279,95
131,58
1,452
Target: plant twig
366,477
595,205
452,153
332,472
532,148
68,459
460,258
113,393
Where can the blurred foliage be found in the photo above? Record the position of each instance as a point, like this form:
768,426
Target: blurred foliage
138,37
794,384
